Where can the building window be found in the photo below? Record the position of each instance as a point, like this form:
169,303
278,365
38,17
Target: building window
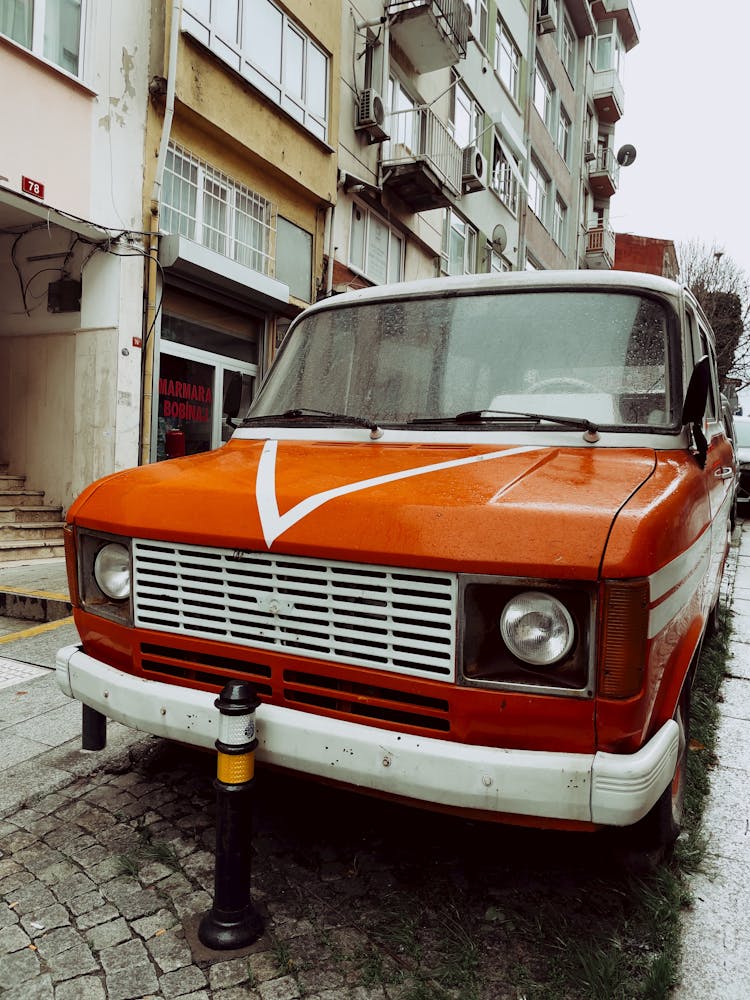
609,48
544,95
560,222
507,59
479,22
466,115
294,258
538,191
568,50
503,181
563,134
50,29
532,264
204,205
259,41
374,248
498,263
459,255
407,118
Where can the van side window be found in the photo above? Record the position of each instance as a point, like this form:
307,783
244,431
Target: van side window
712,409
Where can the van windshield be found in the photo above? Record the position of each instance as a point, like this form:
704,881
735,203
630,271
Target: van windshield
593,354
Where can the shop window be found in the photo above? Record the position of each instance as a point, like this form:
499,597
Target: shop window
186,406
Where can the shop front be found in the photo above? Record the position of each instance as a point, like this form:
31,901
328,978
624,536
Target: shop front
202,346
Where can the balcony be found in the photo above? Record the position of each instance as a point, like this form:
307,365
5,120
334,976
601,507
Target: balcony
604,174
581,17
600,248
432,34
609,95
624,13
422,162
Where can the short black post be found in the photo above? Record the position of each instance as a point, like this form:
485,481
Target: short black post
93,729
233,921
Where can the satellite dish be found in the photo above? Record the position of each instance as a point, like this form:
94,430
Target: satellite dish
626,155
499,238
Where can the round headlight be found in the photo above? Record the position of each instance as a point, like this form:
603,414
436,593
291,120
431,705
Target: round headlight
537,628
112,571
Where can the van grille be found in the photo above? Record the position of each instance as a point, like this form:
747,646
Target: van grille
389,618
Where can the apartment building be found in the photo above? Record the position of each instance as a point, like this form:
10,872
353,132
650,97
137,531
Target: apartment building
71,257
430,141
240,180
198,171
576,99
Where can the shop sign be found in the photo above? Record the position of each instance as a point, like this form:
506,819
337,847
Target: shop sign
183,400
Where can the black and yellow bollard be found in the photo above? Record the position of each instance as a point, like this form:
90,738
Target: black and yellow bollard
233,921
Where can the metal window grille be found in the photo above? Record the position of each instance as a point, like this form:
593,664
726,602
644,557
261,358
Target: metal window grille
205,205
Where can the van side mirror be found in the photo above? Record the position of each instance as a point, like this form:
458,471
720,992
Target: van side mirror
694,407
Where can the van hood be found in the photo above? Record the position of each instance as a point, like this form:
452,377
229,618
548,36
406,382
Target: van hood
526,510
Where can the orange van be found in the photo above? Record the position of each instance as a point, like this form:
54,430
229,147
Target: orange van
465,544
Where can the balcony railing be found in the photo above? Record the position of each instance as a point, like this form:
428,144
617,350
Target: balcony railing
422,161
433,34
604,173
609,95
600,247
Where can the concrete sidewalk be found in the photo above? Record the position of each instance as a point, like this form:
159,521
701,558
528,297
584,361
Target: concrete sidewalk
716,932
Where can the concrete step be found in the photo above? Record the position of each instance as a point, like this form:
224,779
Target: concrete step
29,512
20,498
24,530
11,482
42,548
33,605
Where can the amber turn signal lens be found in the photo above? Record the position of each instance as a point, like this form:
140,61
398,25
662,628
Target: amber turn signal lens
622,657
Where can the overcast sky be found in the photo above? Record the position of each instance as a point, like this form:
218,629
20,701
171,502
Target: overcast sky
687,112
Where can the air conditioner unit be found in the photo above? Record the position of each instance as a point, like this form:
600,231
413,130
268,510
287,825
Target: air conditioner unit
546,17
473,170
370,116
589,151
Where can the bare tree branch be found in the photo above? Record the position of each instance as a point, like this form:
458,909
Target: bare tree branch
723,289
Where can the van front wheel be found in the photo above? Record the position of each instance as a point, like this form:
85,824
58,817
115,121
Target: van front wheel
656,833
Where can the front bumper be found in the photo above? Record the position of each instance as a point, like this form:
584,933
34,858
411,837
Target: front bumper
601,788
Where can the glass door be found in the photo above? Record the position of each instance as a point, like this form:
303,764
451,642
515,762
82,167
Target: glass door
196,364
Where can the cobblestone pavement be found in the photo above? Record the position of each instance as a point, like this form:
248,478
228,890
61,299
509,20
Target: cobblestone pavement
103,882
101,879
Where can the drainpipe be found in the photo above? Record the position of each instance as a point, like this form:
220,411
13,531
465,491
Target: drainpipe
153,244
331,250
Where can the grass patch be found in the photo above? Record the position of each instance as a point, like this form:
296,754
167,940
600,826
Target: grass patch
147,851
435,907
530,915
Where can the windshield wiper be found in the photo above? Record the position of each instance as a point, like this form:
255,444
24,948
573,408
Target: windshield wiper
304,413
513,416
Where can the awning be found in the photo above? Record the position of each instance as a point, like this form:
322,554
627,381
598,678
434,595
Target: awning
19,209
194,261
